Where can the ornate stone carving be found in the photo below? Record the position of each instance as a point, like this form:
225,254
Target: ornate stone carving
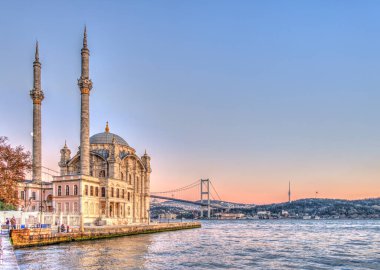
85,85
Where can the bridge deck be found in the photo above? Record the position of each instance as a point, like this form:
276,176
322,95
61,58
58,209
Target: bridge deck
186,201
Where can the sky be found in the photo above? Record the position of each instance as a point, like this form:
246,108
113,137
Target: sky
250,94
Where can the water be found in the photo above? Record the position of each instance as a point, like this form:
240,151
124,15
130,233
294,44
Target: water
245,244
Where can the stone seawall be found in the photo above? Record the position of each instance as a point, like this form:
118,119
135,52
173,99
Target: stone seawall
41,237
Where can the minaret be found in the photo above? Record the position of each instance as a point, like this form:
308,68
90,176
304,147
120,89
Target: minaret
37,96
146,192
65,157
85,86
289,200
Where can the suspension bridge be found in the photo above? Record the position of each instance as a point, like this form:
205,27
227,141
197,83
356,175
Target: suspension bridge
203,188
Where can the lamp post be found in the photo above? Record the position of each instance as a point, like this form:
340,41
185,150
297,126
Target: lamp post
25,198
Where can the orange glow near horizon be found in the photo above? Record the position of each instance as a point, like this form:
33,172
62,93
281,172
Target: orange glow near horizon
261,186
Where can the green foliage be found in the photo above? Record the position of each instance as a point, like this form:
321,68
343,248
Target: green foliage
6,207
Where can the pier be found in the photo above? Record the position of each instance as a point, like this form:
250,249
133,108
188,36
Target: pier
40,237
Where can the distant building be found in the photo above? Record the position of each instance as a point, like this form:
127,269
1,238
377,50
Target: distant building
230,215
167,216
263,214
284,213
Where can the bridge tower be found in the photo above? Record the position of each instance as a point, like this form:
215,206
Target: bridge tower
205,196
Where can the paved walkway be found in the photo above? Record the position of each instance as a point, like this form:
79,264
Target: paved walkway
8,259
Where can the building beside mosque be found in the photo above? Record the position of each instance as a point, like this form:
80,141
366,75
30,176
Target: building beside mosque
105,180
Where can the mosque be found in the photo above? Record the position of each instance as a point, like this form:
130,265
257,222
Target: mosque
104,181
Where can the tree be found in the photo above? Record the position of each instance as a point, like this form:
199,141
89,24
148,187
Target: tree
14,163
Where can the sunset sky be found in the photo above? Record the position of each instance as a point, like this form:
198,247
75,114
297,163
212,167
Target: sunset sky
251,94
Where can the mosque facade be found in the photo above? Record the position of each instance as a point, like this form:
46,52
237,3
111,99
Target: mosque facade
105,181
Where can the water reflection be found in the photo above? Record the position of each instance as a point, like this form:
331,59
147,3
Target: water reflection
115,253
281,244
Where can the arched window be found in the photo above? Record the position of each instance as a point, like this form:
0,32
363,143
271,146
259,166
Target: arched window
129,196
59,191
103,191
122,193
117,193
96,191
130,179
112,192
91,191
67,190
86,190
137,184
122,176
102,174
75,190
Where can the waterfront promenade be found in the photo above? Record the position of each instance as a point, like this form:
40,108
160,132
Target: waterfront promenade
7,257
40,237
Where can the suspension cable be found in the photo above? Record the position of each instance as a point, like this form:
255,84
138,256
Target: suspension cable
192,185
215,191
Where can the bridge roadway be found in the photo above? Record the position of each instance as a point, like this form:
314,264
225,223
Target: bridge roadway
187,201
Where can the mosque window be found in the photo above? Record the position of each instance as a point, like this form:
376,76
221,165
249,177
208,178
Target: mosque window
67,190
86,190
103,191
91,191
75,190
96,191
59,191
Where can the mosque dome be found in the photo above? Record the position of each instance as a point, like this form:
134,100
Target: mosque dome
107,137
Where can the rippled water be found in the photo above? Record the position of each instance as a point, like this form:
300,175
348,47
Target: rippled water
250,244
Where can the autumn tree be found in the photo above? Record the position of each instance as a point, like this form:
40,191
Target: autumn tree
14,163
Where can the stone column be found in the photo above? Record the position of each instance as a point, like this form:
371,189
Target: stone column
37,96
85,86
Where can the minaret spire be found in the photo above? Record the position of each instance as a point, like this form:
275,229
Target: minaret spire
37,56
85,37
289,194
85,86
37,96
